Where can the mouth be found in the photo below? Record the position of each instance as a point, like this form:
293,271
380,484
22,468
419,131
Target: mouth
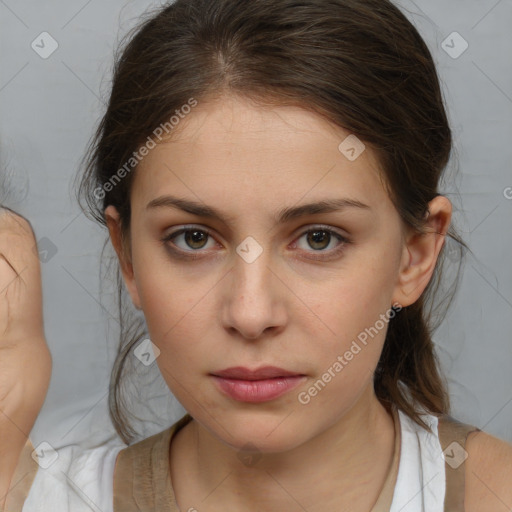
259,385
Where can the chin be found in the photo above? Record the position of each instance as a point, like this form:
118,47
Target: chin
263,434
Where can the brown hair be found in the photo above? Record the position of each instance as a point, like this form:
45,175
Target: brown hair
359,63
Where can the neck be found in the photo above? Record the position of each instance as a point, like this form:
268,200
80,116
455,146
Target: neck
327,470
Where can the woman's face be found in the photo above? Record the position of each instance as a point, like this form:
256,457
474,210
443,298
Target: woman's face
247,285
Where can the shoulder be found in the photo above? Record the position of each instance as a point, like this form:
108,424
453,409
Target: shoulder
488,473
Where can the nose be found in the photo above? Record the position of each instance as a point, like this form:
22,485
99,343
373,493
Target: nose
254,298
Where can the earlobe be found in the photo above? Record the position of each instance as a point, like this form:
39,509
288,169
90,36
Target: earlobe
421,251
113,221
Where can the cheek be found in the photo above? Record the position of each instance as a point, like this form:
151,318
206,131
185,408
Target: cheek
351,313
167,296
354,296
179,315
180,332
172,310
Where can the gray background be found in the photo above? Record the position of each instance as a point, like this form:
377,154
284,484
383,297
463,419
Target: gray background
48,111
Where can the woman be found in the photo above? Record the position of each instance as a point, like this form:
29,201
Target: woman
268,172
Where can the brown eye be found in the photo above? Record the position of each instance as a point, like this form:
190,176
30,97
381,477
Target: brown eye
318,239
189,239
195,239
321,242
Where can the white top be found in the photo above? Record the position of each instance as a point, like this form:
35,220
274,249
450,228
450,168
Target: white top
82,480
421,484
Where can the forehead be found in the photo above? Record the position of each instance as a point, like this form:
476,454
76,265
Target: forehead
231,148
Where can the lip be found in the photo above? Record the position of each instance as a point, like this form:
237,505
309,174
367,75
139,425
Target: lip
264,372
259,385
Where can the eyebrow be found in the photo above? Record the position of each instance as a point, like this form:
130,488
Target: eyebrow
283,215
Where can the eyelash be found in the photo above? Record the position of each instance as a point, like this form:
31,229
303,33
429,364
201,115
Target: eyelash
189,255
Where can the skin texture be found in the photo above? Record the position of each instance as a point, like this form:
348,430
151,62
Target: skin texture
286,308
488,474
25,362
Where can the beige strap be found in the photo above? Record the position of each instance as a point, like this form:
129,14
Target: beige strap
141,477
22,479
453,436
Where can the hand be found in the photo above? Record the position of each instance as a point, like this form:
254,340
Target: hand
25,361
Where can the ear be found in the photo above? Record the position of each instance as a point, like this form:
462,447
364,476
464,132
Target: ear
421,251
113,220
